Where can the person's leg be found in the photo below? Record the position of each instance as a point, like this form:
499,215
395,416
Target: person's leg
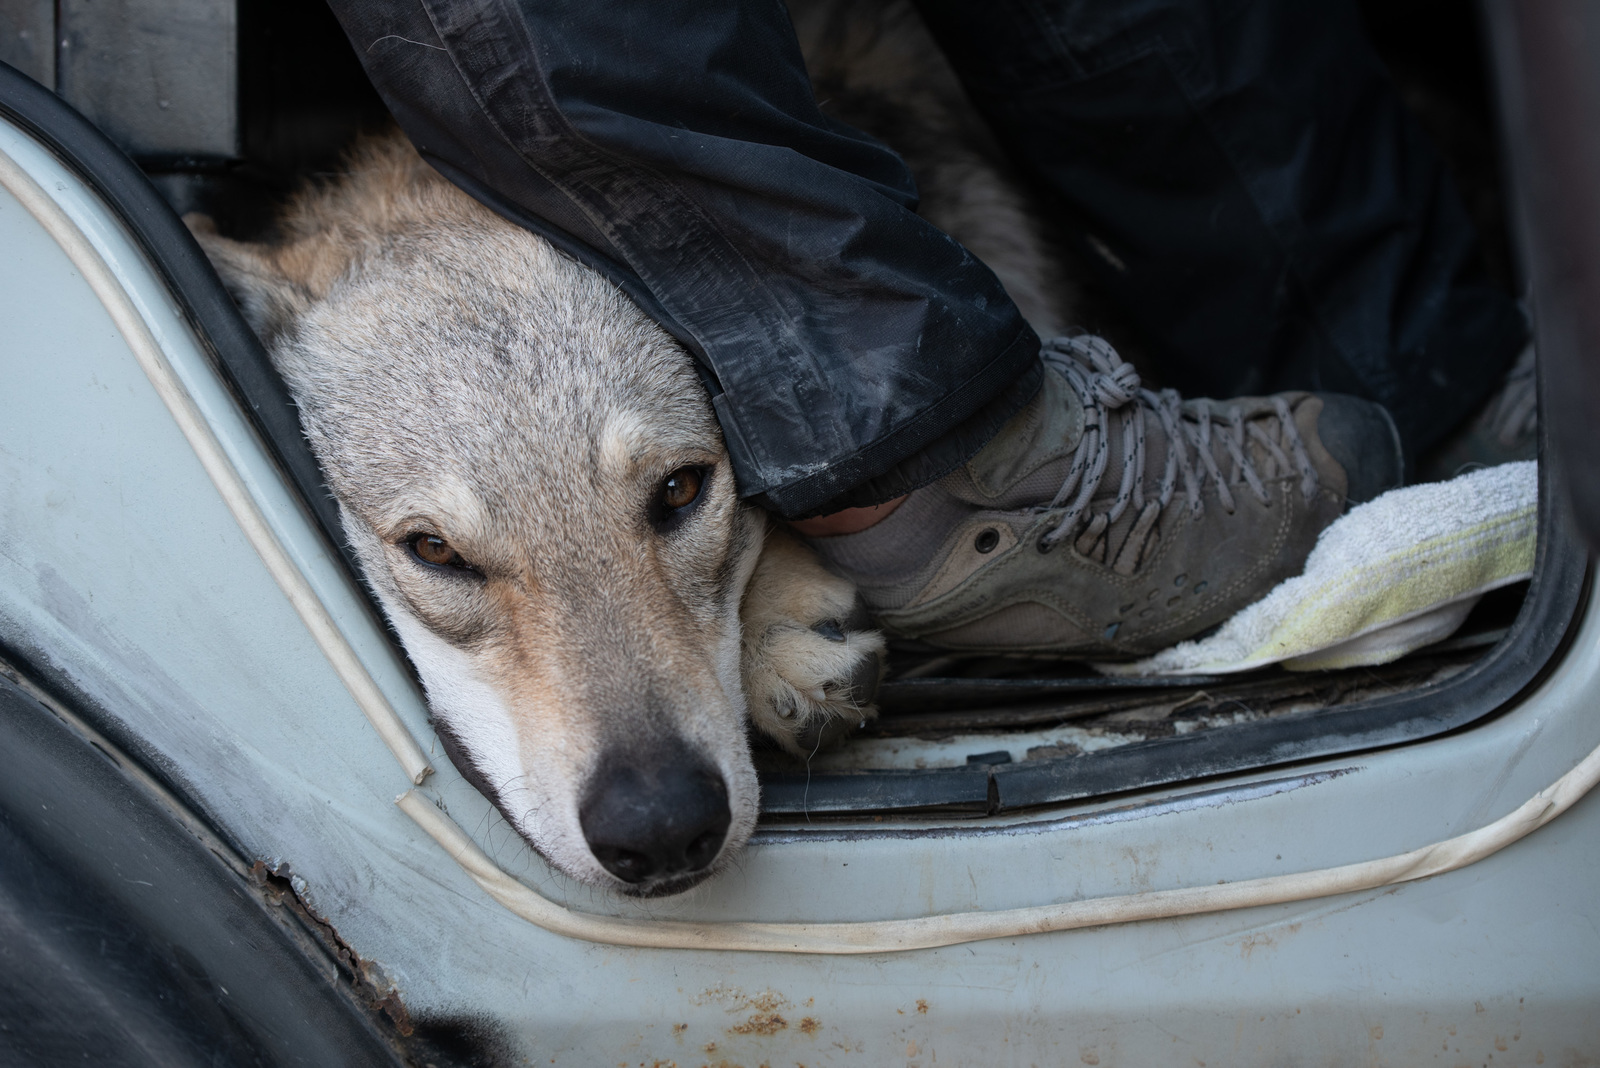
846,520
853,351
1248,185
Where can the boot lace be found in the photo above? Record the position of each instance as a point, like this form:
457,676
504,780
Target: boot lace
1109,387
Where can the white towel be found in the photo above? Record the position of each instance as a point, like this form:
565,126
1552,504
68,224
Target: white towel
1392,575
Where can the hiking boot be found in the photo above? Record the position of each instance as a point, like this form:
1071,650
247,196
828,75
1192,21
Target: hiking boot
1504,431
1108,521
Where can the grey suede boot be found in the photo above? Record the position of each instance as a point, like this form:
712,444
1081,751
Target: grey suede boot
1109,521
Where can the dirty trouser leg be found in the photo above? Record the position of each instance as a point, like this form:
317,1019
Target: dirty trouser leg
853,351
1246,182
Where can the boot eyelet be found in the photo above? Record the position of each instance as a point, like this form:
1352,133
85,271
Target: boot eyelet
1045,544
986,540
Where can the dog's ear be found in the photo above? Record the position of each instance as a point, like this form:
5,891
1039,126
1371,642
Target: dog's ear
253,276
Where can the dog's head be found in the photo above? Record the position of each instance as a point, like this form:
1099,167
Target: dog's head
534,482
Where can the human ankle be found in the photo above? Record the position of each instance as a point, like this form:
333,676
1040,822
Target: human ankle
847,521
897,546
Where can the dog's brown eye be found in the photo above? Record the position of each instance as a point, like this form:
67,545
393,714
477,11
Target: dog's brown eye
435,550
432,549
681,488
678,497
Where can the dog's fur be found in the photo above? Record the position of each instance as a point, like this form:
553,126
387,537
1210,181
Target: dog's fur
875,65
458,377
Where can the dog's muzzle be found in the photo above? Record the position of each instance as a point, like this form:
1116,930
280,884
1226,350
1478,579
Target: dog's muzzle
654,813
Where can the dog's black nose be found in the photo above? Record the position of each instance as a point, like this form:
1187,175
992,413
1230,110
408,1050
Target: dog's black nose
656,815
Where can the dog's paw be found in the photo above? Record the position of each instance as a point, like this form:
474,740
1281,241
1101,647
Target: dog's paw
811,663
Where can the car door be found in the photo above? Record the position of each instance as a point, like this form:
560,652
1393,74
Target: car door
1395,877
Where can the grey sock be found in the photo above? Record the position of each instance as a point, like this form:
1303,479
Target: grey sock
885,558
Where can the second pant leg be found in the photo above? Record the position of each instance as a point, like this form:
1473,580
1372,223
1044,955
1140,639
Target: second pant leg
1246,183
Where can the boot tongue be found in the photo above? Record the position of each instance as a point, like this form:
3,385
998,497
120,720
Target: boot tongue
1025,465
1032,452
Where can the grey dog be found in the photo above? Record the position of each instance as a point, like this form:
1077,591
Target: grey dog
536,487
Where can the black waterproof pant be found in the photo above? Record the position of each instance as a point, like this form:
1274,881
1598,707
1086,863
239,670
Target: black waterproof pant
1242,175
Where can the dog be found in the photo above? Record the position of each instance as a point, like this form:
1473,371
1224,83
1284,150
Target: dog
532,479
